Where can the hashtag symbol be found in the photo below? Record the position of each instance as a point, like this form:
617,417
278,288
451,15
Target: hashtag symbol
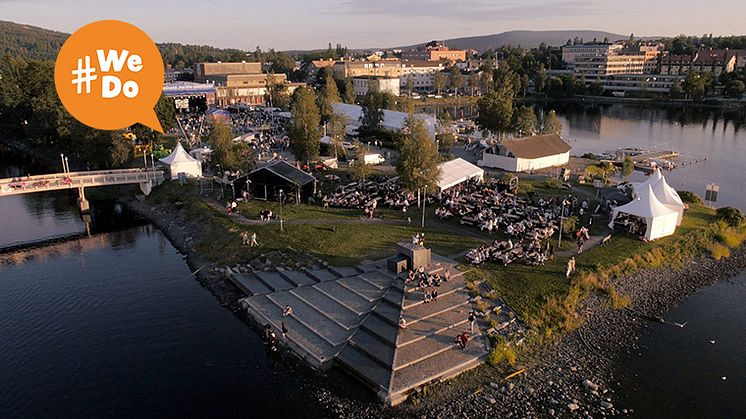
84,74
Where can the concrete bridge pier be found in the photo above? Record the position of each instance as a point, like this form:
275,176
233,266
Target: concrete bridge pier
146,187
82,202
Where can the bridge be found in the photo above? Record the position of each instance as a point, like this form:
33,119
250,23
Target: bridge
146,178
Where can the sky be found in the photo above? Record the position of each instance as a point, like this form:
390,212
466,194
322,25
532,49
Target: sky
312,24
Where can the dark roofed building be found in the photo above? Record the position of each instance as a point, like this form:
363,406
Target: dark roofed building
527,154
266,182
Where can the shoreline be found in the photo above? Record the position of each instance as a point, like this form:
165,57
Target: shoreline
555,381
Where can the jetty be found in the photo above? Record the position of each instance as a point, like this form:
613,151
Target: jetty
350,318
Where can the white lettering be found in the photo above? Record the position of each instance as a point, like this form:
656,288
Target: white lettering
134,63
131,89
110,86
111,58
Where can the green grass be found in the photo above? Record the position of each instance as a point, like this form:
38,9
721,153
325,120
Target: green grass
339,244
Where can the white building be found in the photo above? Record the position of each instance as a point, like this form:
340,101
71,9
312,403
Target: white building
363,85
571,52
421,74
527,154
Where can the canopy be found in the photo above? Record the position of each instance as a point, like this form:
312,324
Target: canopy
392,120
179,161
457,171
661,219
665,193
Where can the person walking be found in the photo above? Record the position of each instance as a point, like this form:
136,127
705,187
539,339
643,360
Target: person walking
288,311
570,267
472,319
283,329
244,238
253,240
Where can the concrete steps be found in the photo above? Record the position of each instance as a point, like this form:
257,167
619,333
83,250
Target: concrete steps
445,303
312,319
453,318
344,296
330,307
321,275
429,347
307,344
274,281
441,366
361,287
365,368
297,277
249,284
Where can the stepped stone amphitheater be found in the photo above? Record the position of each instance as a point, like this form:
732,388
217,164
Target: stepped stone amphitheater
349,317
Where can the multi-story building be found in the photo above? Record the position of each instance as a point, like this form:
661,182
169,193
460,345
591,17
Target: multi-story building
598,66
434,52
420,74
715,61
239,82
382,68
171,74
674,64
365,84
571,52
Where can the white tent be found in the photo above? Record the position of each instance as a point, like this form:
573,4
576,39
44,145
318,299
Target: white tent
179,161
665,193
457,171
660,219
652,179
669,197
392,120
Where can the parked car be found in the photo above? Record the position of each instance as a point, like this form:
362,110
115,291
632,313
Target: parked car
371,160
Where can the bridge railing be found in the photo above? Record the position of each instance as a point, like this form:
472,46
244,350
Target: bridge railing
78,180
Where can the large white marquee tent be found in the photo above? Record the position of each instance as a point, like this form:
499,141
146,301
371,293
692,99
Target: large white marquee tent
179,161
661,219
665,193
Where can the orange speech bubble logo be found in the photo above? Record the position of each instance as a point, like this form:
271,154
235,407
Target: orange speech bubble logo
109,75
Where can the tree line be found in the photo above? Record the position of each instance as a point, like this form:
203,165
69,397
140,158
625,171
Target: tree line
30,110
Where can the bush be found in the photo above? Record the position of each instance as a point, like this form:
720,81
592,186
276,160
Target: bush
553,182
731,216
690,197
617,300
569,224
719,251
524,187
503,352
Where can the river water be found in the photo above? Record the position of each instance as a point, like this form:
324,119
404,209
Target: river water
114,325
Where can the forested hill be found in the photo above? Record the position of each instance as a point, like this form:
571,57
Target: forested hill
30,42
34,43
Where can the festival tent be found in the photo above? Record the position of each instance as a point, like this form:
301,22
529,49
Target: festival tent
660,219
179,161
392,120
457,171
669,197
665,193
652,179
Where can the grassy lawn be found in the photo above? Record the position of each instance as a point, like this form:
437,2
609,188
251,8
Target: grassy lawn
339,244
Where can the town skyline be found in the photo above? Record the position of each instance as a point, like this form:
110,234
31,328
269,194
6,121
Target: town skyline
295,25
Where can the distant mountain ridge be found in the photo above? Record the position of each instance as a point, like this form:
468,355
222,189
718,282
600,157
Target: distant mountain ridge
30,42
526,39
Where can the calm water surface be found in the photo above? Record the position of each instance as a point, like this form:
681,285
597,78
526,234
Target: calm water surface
115,325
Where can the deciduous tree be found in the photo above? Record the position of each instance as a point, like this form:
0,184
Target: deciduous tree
304,131
418,160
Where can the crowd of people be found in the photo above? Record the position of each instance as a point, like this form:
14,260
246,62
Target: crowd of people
369,195
527,223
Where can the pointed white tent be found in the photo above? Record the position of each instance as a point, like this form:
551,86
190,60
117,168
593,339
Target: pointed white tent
179,161
669,197
660,219
653,178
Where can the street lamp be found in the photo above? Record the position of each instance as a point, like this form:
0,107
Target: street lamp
281,227
424,200
562,221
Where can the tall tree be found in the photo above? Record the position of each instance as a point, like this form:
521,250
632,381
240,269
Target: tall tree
328,95
336,130
524,121
457,80
373,105
349,92
418,160
230,156
551,124
304,131
496,110
439,81
360,170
